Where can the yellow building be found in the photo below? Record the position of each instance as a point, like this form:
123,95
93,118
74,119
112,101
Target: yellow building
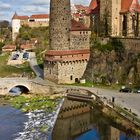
39,20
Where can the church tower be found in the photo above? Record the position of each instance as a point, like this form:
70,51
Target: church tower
68,54
15,26
110,17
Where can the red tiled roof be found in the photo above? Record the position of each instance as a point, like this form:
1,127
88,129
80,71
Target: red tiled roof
40,16
9,47
129,6
81,7
77,26
93,4
23,17
67,52
15,16
26,46
94,7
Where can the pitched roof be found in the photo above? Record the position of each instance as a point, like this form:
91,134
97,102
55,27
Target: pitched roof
94,6
38,16
81,7
129,6
26,46
15,16
78,26
9,47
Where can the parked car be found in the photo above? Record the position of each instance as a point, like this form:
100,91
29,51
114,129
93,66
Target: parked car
26,56
136,90
15,56
125,89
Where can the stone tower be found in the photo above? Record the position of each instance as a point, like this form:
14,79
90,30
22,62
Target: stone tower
60,21
106,20
15,26
68,54
110,17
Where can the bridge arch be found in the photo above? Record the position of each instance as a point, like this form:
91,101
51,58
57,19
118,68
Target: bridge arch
20,88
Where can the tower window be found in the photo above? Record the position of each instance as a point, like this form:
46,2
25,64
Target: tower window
71,77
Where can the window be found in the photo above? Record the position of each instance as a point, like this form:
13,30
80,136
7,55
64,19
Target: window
31,20
71,77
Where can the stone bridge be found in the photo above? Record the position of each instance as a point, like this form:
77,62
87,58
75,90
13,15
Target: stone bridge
28,85
6,84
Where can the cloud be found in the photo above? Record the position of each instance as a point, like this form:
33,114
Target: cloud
34,9
41,2
4,6
84,2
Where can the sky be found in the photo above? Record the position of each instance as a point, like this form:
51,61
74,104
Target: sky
28,7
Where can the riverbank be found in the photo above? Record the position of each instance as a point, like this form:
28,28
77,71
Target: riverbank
30,102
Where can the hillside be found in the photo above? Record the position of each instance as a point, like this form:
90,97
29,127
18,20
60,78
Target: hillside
27,34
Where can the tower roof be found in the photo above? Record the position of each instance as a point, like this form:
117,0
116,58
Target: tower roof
77,26
15,16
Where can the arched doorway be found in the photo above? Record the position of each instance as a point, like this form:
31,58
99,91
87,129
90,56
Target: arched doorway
76,80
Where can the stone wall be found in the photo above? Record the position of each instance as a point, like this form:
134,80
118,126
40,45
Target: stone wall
120,65
71,72
105,16
64,67
38,24
51,71
75,117
65,72
79,40
60,20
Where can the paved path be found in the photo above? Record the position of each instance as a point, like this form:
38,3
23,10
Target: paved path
34,65
127,100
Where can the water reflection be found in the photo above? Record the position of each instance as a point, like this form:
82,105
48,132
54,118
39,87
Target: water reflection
90,135
15,91
78,121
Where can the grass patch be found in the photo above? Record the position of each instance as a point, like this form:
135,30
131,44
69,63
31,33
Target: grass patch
99,85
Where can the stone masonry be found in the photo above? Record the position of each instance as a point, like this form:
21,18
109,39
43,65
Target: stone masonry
67,58
60,24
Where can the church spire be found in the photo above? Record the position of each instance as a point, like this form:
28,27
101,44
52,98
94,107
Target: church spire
15,16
